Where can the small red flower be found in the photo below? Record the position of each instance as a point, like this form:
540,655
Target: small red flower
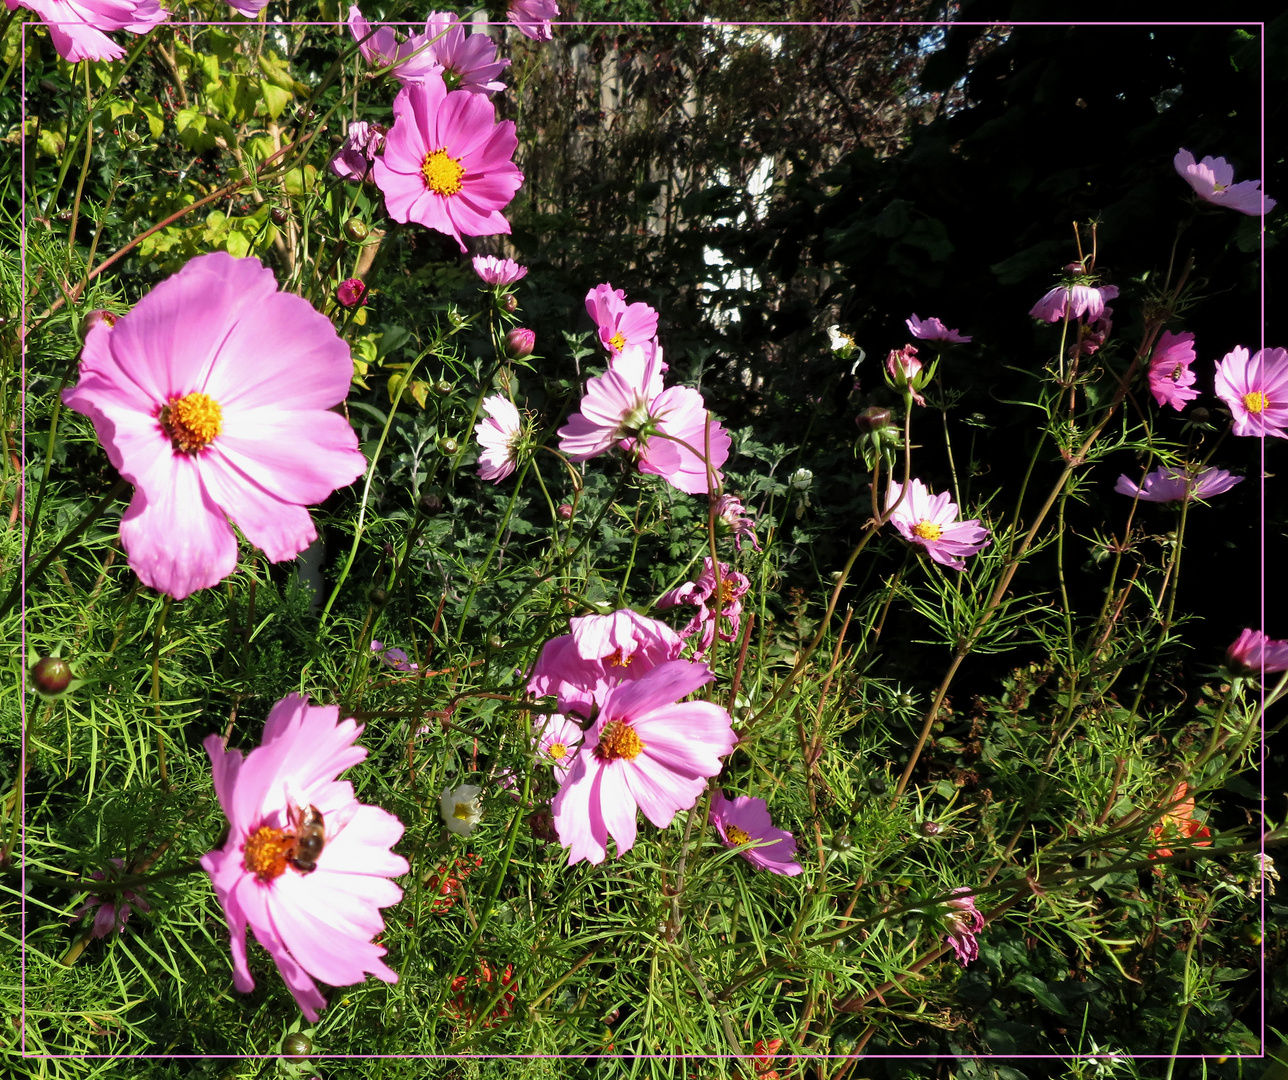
474,992
1180,823
764,1059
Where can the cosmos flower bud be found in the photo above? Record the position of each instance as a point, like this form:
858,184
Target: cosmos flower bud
296,1046
352,292
51,675
930,828
511,303
873,418
520,342
564,511
355,229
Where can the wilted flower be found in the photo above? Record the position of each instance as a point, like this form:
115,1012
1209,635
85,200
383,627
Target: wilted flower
112,914
620,324
351,292
1265,873
462,809
1213,181
733,586
395,658
1179,823
76,26
1075,299
1256,390
213,398
841,344
934,330
745,819
361,146
496,271
733,514
1097,332
964,922
931,521
1170,379
499,436
1167,484
1253,653
447,162
315,910
532,17
558,739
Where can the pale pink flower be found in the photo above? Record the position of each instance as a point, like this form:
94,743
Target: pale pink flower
745,819
466,61
934,330
666,429
362,144
931,521
964,922
411,61
1077,300
213,398
620,324
728,606
1170,379
1167,484
76,26
580,667
557,740
496,271
1213,181
731,512
395,658
1256,390
499,436
447,162
315,911
1252,653
114,912
647,750
532,17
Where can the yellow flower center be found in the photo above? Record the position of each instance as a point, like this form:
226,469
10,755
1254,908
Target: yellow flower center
192,421
618,740
617,341
927,530
618,659
442,173
1218,188
266,852
557,750
737,835
1255,402
726,591
465,811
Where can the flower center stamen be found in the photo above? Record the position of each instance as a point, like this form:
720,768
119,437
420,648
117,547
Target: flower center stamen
267,851
1255,402
726,592
192,421
618,740
557,750
617,342
442,173
618,659
927,530
737,835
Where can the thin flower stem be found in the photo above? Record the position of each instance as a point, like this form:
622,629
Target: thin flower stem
484,570
1187,991
156,692
80,183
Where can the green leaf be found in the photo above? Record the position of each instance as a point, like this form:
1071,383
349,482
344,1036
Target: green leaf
1035,986
237,244
275,98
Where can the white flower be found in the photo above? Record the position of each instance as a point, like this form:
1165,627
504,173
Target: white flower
462,809
837,341
801,480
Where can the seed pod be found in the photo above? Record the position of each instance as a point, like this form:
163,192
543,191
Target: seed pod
378,597
296,1046
51,675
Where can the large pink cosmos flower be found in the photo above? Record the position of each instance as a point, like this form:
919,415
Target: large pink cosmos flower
964,922
579,668
1076,300
1213,181
447,162
467,61
1252,653
496,271
76,26
647,750
1256,390
499,436
934,330
931,521
667,429
619,323
213,397
411,61
733,587
314,910
745,819
1170,379
532,17
1167,484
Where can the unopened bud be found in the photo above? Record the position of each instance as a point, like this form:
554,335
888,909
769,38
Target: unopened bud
510,303
52,675
842,843
1200,415
296,1046
355,229
494,642
378,597
352,292
280,215
520,342
447,445
873,418
877,785
443,387
564,511
931,828
1075,268
431,503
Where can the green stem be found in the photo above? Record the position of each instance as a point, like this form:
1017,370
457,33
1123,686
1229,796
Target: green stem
496,542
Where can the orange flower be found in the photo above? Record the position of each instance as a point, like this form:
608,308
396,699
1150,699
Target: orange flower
1179,823
764,1059
474,992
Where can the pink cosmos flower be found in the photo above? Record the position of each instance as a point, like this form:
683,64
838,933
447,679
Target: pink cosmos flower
1256,390
114,912
76,26
1252,653
411,61
1097,332
647,750
212,397
931,521
447,162
1213,181
964,922
249,8
557,740
619,323
305,865
395,658
499,436
532,17
1167,484
466,61
731,512
1077,300
667,429
579,668
362,144
351,292
733,587
496,271
744,819
1170,379
903,367
934,330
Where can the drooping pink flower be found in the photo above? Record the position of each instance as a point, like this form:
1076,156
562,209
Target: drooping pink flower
964,922
499,436
496,271
1213,181
580,667
77,27
620,324
1097,332
934,330
411,61
351,292
1170,379
666,429
1077,300
447,162
724,612
731,512
361,146
744,819
647,750
395,658
114,912
466,61
532,17
1256,390
213,397
557,740
904,369
314,909
931,521
1253,653
1168,484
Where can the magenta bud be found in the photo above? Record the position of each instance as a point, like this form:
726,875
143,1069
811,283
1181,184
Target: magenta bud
520,342
351,292
873,418
564,512
1075,268
51,675
931,828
